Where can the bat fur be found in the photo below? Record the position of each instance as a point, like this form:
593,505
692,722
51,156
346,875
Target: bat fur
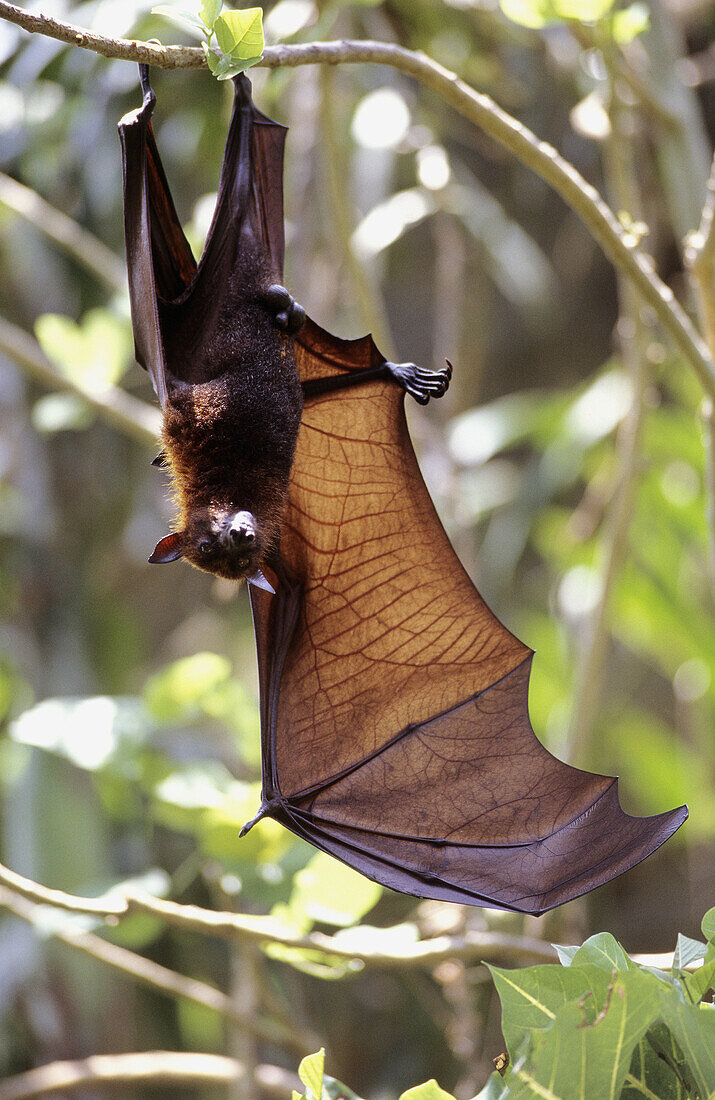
230,433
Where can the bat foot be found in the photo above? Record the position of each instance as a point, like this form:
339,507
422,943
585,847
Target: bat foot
161,460
419,383
287,314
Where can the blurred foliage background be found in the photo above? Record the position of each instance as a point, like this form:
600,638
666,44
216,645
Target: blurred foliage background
568,463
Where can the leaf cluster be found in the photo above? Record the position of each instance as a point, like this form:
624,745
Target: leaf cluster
597,1025
238,34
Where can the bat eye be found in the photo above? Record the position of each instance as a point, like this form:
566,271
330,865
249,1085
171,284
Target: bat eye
243,563
204,546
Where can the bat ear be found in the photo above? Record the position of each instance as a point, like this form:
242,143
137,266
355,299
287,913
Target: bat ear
167,549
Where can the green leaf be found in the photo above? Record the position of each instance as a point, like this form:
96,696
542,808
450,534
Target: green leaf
604,951
310,1072
565,953
531,996
429,1091
496,1088
686,951
588,1048
708,925
336,1090
629,22
650,1075
229,67
209,12
183,16
698,983
240,33
694,1030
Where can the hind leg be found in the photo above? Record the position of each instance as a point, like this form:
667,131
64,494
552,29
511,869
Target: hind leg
419,383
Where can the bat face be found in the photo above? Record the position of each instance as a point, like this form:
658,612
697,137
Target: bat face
224,542
217,540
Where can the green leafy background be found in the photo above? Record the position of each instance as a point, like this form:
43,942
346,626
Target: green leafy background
129,751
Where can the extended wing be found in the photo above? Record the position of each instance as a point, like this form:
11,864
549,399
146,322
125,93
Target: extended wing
175,302
396,733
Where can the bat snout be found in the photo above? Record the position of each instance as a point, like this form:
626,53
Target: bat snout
239,532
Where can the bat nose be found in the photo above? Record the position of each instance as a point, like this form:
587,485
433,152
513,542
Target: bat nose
240,532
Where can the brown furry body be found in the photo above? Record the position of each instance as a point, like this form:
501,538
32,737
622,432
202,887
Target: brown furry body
230,430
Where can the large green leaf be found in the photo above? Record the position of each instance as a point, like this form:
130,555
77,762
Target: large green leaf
587,1050
531,997
650,1075
693,1028
240,33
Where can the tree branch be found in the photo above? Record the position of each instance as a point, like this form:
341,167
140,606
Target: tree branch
474,946
135,418
82,245
123,49
469,946
540,157
152,1068
158,977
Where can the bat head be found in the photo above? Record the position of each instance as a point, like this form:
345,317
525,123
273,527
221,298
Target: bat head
217,540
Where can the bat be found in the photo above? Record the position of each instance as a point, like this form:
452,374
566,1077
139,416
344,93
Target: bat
394,705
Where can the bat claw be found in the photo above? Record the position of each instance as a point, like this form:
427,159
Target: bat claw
420,383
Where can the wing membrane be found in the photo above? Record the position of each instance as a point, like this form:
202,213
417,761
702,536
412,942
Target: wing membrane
396,725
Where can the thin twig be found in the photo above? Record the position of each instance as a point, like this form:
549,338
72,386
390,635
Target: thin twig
152,1068
135,418
158,977
700,260
537,155
613,544
78,242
